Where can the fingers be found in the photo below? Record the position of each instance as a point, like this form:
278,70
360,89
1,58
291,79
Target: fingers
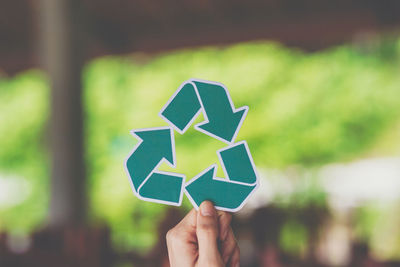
196,238
180,240
235,260
228,247
207,235
189,221
224,219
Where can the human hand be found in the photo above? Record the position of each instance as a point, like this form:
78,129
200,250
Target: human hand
203,239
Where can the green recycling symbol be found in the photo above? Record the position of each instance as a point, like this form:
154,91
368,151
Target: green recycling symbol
157,145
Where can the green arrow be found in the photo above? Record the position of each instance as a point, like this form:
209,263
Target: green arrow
162,187
225,195
156,145
238,164
222,120
182,108
229,195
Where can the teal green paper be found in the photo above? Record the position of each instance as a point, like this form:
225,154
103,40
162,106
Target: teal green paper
226,194
156,145
238,164
183,107
171,188
222,120
223,194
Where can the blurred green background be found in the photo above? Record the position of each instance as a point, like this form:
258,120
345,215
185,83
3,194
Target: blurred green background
307,110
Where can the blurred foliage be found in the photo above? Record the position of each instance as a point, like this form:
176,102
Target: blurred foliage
24,110
305,109
376,224
293,237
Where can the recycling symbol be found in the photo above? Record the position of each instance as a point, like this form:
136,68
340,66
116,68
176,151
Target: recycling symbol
157,145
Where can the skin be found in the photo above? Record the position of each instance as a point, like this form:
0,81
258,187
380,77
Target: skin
203,238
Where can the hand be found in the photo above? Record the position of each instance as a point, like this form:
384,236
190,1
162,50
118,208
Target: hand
203,239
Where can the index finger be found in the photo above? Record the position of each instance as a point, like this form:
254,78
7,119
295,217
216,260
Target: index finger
189,220
224,219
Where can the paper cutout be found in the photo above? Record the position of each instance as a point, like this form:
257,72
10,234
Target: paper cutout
226,194
157,145
222,120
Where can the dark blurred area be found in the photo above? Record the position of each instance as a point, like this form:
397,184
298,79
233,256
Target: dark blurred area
110,27
61,36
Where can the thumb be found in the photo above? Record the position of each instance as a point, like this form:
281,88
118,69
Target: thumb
207,235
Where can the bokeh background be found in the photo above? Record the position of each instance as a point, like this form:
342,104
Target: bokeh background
321,78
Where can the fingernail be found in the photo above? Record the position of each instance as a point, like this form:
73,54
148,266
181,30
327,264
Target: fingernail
237,265
207,209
